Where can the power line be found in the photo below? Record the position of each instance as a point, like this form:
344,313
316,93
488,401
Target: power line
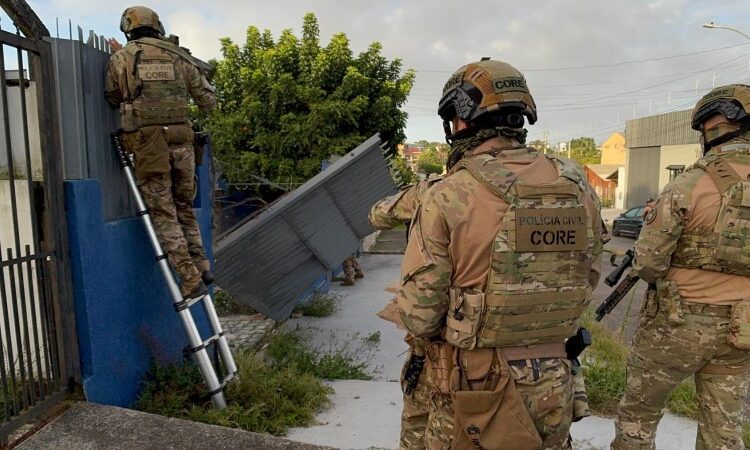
621,63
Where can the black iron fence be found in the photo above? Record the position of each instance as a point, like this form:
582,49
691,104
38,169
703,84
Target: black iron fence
37,339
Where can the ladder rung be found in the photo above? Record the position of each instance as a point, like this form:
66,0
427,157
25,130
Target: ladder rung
187,303
210,341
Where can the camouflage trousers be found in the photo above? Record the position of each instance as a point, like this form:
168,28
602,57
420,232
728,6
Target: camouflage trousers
169,199
546,387
416,411
352,269
663,355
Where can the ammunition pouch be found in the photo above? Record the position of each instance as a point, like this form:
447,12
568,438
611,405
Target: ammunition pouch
489,412
739,325
650,307
440,363
127,118
465,310
151,152
669,302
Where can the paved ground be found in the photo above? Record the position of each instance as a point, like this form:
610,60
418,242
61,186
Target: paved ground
92,427
246,331
366,414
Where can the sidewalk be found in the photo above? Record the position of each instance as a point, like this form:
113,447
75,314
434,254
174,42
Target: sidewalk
366,414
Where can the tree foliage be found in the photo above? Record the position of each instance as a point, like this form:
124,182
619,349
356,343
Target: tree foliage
583,150
401,172
429,162
286,104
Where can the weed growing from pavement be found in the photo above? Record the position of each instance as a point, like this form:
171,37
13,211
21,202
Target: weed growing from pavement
373,338
321,305
746,434
604,373
276,391
266,398
347,359
226,305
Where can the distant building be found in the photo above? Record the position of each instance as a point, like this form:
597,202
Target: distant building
658,149
562,147
410,152
613,150
603,178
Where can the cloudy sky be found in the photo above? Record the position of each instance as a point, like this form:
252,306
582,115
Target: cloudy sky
591,65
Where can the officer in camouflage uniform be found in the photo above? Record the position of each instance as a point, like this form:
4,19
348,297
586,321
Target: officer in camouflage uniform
152,80
388,213
352,271
502,259
694,251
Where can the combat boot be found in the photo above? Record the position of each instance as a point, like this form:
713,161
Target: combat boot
359,275
205,269
348,282
199,291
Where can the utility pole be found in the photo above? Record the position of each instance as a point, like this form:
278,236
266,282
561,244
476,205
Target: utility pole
546,140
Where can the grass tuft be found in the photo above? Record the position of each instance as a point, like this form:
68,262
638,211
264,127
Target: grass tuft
273,393
346,361
226,305
321,305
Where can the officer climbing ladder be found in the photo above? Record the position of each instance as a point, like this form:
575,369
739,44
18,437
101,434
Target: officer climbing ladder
198,347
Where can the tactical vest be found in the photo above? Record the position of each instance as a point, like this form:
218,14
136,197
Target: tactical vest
158,93
726,247
538,284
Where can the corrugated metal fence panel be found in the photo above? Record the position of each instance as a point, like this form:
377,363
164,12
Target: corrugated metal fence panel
86,123
643,175
269,261
664,129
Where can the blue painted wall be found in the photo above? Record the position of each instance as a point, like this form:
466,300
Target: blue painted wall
124,313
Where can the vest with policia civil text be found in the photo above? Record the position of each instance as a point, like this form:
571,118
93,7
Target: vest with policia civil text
726,247
156,88
538,284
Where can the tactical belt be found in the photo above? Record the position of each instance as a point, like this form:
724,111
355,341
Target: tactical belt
704,309
536,351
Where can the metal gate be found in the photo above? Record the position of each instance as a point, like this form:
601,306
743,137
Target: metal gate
37,326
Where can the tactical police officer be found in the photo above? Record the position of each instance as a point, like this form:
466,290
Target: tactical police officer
392,211
151,80
477,276
694,251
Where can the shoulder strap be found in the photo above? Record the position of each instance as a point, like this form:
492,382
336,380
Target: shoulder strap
722,174
491,173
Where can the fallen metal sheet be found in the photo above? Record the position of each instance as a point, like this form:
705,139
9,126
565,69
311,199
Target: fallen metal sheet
268,261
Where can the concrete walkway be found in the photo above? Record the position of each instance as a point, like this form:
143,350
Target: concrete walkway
366,414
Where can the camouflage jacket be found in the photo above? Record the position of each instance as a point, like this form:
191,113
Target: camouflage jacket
399,208
451,238
690,203
118,81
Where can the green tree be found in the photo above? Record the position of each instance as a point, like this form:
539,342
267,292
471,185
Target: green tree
583,150
429,162
401,172
287,104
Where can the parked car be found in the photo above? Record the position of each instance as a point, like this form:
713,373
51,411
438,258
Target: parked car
629,223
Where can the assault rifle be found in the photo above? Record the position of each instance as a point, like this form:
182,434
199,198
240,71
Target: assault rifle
622,289
413,371
575,345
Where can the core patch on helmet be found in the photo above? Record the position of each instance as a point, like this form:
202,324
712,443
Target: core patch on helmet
509,85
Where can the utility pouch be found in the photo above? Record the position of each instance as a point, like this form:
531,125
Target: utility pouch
670,302
739,325
440,363
650,305
464,316
489,412
127,118
179,134
151,153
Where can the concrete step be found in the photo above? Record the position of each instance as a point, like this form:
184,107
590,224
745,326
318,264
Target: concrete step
92,427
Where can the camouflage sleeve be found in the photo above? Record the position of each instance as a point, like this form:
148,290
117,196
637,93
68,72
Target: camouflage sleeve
397,209
198,86
426,272
661,231
112,88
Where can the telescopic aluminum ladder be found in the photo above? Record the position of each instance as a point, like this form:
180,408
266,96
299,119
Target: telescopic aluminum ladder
198,347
